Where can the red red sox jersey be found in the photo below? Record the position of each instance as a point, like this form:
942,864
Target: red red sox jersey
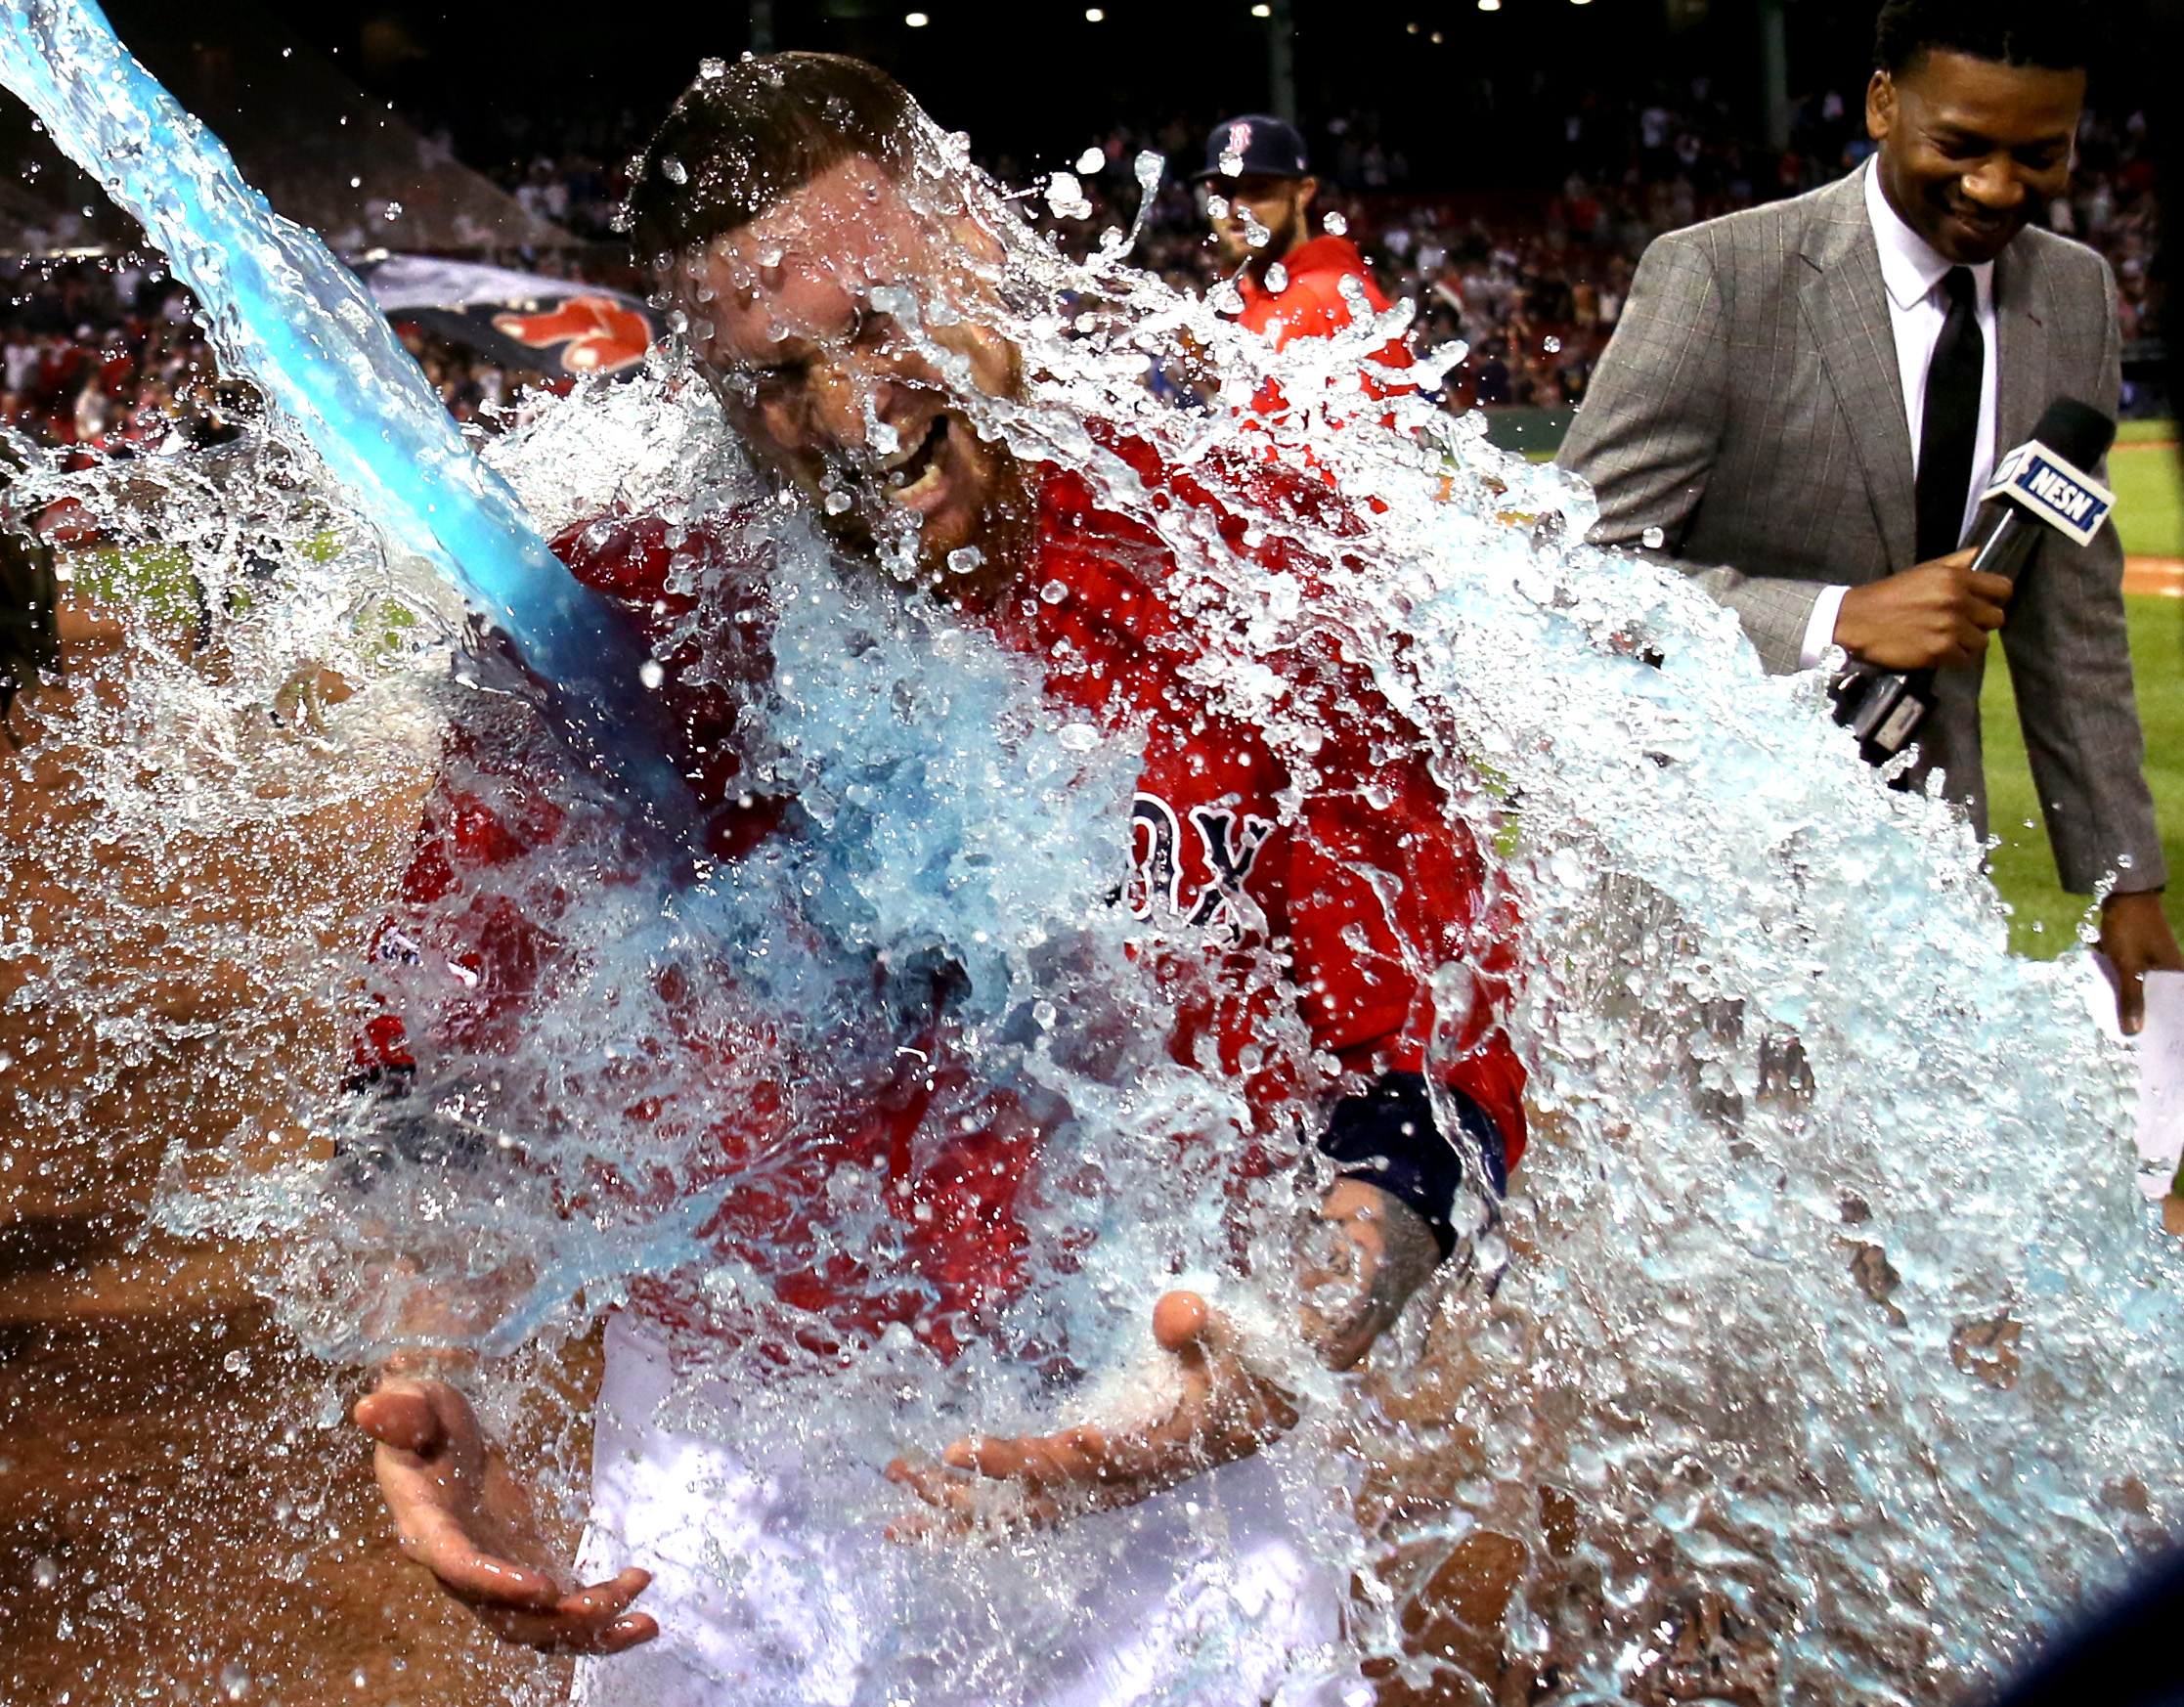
1365,885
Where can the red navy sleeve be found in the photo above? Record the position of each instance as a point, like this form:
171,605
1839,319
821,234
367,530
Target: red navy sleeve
1387,898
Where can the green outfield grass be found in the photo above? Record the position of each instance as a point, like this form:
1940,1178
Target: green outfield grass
2046,919
2149,515
2149,495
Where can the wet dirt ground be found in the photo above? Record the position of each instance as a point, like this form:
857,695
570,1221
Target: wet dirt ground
175,1524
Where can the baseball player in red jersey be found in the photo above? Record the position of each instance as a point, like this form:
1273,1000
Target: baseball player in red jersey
775,195
1260,189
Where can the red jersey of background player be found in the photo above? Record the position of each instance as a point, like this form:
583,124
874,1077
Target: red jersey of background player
1220,873
1312,304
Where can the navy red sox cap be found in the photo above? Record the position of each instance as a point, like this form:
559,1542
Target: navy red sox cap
1255,146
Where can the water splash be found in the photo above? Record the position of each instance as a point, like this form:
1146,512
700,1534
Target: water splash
285,313
1835,1354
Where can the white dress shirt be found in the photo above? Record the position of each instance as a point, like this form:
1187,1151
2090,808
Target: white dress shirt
1917,307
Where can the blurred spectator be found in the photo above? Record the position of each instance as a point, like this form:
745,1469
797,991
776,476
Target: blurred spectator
108,358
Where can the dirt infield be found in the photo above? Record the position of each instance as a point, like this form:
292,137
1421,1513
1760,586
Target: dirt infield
173,1526
2154,577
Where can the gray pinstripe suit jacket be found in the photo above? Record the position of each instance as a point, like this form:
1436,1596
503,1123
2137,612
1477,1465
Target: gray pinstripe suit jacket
1750,406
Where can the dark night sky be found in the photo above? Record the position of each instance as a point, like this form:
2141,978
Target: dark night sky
1038,80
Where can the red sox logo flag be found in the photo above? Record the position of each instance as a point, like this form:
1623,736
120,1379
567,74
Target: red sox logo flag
597,334
562,328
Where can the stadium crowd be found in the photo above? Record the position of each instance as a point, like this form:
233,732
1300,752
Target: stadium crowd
110,358
103,353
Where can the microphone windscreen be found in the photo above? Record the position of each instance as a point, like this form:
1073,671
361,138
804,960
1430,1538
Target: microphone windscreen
2075,431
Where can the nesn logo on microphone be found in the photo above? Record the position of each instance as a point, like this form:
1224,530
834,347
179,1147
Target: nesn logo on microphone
2062,495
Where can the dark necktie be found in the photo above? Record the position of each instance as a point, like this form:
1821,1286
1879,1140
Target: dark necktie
1950,430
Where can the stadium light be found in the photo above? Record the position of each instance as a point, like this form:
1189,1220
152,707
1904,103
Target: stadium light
916,20
1262,12
1490,5
1093,15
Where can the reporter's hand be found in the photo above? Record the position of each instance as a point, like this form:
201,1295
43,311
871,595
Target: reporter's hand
1933,616
462,1515
2136,938
1227,1411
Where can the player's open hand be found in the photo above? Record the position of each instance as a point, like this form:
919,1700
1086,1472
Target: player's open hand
465,1518
994,1483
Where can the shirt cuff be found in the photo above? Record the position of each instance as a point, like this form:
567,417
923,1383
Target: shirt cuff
1820,628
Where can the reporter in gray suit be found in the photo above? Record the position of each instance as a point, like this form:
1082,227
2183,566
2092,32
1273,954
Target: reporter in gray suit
1806,397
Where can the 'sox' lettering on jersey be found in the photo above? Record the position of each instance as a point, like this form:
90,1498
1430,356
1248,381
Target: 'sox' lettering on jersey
1230,842
1155,880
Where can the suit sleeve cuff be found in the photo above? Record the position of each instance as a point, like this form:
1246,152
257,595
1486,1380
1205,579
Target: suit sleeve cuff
1820,628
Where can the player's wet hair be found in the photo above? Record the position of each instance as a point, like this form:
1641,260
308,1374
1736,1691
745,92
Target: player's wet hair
747,134
2056,35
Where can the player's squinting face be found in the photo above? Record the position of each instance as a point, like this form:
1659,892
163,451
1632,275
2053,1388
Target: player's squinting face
798,318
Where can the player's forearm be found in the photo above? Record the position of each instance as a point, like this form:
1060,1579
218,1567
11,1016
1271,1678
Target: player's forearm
416,1321
418,1291
1390,1253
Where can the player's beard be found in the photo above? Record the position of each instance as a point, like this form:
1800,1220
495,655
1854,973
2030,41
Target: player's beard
904,547
1281,241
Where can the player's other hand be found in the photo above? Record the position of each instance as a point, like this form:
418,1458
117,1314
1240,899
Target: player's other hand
1933,616
1227,1411
462,1515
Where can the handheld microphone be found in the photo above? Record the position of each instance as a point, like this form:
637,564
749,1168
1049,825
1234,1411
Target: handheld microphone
2042,484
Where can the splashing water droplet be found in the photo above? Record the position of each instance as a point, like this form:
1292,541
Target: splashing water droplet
1065,195
1090,162
1277,278
674,170
234,1680
965,558
44,1571
1654,539
651,674
1335,225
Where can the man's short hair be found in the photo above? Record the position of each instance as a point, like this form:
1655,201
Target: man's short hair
748,134
2056,35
